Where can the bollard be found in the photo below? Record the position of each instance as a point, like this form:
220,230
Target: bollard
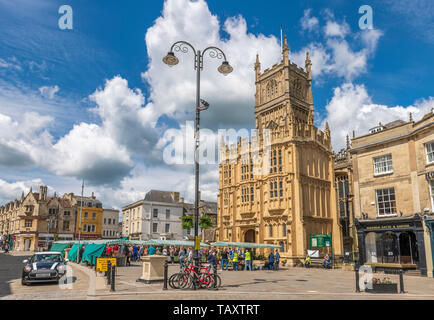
215,277
356,268
109,269
401,281
113,273
166,266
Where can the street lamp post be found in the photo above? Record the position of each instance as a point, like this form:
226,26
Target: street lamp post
225,68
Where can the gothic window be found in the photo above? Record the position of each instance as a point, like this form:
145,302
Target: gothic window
271,89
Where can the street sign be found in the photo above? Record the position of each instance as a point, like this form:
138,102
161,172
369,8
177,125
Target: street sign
197,243
102,263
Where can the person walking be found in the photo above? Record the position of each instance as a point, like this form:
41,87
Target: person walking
235,261
271,260
276,260
248,260
190,255
127,255
225,259
172,255
181,258
134,253
212,262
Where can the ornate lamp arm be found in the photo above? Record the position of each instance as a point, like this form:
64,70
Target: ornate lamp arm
215,53
181,46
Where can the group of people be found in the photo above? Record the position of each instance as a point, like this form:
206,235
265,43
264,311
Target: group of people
5,247
225,257
326,263
273,261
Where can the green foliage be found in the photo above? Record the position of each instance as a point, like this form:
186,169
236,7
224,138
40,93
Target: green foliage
205,222
187,222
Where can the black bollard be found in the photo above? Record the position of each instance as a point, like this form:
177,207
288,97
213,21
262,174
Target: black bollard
109,269
356,268
113,273
401,281
166,267
215,277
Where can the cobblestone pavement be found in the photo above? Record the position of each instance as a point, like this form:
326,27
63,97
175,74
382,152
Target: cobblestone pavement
288,283
285,284
10,282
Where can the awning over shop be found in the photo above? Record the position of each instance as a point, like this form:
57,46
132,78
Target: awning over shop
245,245
72,255
92,251
59,247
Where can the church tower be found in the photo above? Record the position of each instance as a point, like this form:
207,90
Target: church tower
292,196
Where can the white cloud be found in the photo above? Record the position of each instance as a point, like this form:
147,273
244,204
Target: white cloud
351,108
13,190
334,29
173,89
334,56
308,22
49,92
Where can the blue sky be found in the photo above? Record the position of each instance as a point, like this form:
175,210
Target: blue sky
95,101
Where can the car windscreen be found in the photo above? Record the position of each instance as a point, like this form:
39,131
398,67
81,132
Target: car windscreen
47,258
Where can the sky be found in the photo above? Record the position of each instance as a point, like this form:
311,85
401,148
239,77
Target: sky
96,102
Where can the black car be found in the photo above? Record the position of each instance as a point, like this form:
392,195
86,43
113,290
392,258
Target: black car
43,267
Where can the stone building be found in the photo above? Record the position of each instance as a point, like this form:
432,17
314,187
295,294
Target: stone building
157,216
294,197
110,224
36,220
90,209
393,169
343,168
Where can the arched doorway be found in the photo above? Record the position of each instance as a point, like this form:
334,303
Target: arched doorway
408,248
371,244
390,252
249,236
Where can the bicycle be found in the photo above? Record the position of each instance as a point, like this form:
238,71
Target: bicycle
202,278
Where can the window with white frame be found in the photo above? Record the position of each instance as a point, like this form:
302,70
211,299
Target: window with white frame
430,152
383,164
386,202
155,227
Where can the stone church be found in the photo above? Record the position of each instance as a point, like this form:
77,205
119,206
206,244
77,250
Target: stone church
295,196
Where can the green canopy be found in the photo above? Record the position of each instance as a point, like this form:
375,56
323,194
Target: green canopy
92,251
72,256
244,245
59,247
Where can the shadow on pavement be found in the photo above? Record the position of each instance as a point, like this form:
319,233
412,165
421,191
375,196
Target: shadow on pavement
10,269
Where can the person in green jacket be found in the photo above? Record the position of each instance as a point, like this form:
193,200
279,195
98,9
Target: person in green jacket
235,261
248,260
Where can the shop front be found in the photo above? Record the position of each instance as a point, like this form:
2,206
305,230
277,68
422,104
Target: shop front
429,223
26,242
396,242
